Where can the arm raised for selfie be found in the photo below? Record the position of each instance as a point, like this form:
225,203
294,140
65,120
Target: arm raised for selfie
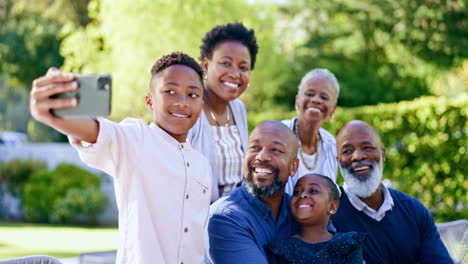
54,82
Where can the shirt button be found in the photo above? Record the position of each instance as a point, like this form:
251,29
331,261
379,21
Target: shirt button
188,164
186,196
181,146
186,229
204,190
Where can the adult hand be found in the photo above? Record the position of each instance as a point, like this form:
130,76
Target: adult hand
40,102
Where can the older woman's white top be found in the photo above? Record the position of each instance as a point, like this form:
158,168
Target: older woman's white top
326,163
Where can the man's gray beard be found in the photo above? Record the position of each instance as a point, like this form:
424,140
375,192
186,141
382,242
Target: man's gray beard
267,191
363,187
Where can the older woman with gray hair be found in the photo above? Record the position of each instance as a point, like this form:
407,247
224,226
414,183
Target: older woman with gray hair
315,102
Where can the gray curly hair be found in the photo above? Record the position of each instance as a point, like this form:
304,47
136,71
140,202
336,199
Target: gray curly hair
320,73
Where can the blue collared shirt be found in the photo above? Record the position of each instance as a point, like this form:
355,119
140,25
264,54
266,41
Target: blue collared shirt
241,226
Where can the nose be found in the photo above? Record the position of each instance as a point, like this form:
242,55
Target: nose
303,195
316,99
359,155
181,101
234,72
263,155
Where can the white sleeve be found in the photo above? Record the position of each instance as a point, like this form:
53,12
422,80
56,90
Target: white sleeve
113,147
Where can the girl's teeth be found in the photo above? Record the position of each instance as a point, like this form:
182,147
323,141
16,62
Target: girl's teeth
231,84
304,206
177,115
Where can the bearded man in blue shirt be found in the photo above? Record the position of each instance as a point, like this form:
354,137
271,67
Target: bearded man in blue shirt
243,223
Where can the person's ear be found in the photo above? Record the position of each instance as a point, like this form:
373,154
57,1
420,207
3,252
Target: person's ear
293,167
384,156
333,207
295,105
205,64
332,113
149,101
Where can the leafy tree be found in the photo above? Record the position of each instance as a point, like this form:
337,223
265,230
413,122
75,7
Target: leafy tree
380,51
126,39
29,44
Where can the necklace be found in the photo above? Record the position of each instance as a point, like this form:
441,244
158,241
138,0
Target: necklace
312,166
227,117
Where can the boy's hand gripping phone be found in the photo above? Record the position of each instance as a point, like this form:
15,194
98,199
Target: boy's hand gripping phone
94,96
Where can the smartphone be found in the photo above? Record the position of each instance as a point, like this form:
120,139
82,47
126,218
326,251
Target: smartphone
94,96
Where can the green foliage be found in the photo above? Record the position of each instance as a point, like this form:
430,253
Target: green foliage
29,45
425,141
380,51
87,203
126,39
46,188
15,173
39,132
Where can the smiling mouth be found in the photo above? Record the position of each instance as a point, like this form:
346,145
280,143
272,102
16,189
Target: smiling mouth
180,115
304,206
232,85
263,170
361,168
313,109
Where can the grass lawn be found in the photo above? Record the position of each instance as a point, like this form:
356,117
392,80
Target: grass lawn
20,239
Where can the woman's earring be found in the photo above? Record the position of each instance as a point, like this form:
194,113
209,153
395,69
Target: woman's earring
297,109
332,118
205,77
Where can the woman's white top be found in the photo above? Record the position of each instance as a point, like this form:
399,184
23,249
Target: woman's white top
202,139
229,156
326,160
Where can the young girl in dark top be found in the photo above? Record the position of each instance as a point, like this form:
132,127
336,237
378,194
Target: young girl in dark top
314,200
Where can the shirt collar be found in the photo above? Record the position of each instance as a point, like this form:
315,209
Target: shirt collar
262,208
168,138
357,203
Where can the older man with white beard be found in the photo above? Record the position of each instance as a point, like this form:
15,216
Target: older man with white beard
401,230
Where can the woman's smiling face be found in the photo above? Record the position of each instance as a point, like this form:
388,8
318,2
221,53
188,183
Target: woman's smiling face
228,70
316,100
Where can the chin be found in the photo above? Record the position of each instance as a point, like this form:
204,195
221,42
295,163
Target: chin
360,186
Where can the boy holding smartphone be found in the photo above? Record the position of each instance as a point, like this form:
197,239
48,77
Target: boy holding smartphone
162,185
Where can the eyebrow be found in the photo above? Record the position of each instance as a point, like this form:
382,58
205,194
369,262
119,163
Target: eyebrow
177,84
229,57
365,142
279,143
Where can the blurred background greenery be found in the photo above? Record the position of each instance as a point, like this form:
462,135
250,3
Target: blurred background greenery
402,66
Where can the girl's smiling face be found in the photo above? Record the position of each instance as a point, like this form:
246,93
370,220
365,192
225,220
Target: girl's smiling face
228,70
312,202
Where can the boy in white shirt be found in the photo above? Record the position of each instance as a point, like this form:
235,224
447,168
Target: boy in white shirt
162,185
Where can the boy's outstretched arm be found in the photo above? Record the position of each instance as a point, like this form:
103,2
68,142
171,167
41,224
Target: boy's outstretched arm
54,82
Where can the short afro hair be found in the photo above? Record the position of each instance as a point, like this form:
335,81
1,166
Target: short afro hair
233,32
176,58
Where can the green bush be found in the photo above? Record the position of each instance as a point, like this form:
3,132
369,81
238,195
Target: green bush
46,188
79,206
15,173
426,145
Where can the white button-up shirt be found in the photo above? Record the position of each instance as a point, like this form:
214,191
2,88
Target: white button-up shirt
362,206
163,191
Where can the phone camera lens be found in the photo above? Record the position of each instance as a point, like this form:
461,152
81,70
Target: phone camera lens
104,84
